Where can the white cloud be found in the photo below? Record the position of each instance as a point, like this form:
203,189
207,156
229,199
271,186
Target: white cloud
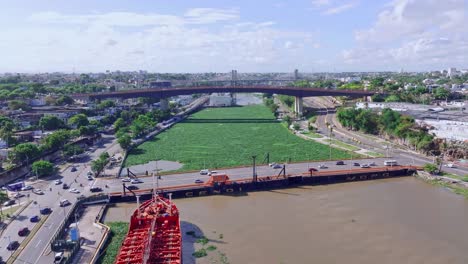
339,9
414,34
157,42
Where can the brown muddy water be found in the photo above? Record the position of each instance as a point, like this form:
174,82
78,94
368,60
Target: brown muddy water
390,221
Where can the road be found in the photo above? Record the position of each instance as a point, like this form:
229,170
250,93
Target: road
40,243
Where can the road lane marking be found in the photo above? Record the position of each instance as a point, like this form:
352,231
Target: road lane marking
38,242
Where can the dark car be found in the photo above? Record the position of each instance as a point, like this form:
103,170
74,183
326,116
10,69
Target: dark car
34,219
340,162
356,164
73,169
23,231
46,210
95,189
65,186
198,181
13,245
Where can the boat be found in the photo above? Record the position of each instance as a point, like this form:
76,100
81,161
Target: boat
154,234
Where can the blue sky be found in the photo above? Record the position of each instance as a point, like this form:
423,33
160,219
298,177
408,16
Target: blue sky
217,36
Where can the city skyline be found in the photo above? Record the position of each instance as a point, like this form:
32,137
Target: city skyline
208,36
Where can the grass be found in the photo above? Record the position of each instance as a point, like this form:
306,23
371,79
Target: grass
374,154
453,188
343,145
118,232
228,137
312,134
10,211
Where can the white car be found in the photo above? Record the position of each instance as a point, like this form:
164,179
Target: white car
89,173
27,188
74,190
322,166
272,164
451,165
38,191
58,182
204,172
126,180
135,181
365,166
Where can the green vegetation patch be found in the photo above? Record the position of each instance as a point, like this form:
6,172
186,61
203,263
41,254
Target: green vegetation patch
343,145
453,188
118,231
227,137
374,154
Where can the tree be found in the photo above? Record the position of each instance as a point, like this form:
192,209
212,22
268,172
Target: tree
431,168
441,93
64,100
106,104
88,130
140,125
25,152
56,139
50,122
18,104
288,120
79,120
119,123
296,126
99,164
71,150
125,141
42,168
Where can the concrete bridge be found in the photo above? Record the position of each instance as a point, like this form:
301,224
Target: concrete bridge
163,93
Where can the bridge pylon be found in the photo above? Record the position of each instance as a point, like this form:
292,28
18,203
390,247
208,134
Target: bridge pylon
298,106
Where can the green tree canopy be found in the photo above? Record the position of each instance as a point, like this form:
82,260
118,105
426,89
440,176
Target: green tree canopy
25,152
64,100
78,120
56,139
50,122
125,141
42,168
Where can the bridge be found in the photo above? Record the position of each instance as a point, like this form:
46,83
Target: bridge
166,92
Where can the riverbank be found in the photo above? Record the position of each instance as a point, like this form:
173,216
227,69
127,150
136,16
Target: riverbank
455,184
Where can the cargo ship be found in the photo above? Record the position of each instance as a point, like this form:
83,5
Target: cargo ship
154,234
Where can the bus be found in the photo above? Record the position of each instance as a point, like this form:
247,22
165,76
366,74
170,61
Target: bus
14,187
390,163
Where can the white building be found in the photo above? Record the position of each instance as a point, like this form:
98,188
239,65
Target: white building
451,72
221,99
351,79
452,130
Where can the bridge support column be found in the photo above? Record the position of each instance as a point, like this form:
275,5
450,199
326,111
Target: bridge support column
298,106
164,104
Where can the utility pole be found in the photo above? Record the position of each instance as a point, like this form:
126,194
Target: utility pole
254,169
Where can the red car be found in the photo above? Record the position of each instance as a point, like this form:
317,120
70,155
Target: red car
23,231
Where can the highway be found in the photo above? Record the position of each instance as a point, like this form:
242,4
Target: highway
40,243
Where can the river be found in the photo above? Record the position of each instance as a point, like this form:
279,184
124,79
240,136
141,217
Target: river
390,221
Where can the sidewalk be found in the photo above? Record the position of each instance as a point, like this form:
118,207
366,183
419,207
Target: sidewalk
91,235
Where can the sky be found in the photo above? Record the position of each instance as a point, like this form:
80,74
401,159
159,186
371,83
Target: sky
246,35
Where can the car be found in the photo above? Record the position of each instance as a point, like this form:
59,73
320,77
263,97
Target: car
80,197
451,165
340,162
13,245
277,166
45,210
58,182
212,172
365,166
90,178
322,166
136,181
74,190
64,202
89,173
126,180
18,195
65,186
27,188
38,191
73,169
58,257
372,164
9,202
132,187
95,189
204,172
272,164
23,231
34,219
356,164
198,181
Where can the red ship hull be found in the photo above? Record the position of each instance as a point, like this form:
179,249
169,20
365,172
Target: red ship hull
154,235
